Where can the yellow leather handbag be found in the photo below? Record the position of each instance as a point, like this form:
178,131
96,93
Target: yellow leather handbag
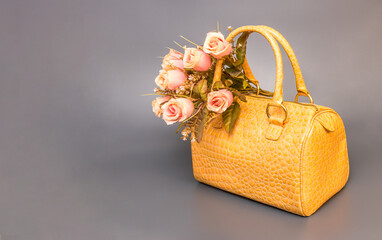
289,155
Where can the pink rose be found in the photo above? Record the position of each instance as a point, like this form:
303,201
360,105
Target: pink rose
161,79
177,110
219,101
173,60
216,45
170,79
196,59
157,105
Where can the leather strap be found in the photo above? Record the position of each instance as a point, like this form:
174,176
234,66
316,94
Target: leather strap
278,93
300,84
248,72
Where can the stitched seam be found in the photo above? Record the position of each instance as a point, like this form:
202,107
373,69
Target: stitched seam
306,137
301,168
308,105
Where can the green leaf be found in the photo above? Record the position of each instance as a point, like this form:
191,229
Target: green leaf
200,89
241,48
229,60
200,122
228,82
239,95
210,77
245,84
234,72
230,116
218,85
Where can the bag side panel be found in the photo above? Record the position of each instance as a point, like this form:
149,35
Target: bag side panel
248,164
324,161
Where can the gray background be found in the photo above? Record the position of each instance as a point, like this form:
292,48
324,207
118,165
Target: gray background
83,157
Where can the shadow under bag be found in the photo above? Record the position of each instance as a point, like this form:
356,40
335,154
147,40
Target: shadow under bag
289,155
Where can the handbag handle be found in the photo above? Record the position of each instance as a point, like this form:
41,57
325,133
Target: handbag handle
300,84
277,99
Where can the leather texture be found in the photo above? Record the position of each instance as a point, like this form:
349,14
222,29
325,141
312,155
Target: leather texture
293,157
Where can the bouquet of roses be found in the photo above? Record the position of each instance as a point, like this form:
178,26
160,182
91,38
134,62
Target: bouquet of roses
186,89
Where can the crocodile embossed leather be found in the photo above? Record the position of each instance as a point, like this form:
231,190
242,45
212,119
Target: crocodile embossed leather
289,155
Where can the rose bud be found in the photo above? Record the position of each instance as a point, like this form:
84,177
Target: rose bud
177,110
219,101
157,105
173,60
196,59
170,79
216,45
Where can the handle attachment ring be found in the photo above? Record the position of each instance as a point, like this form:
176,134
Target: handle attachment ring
258,88
303,94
